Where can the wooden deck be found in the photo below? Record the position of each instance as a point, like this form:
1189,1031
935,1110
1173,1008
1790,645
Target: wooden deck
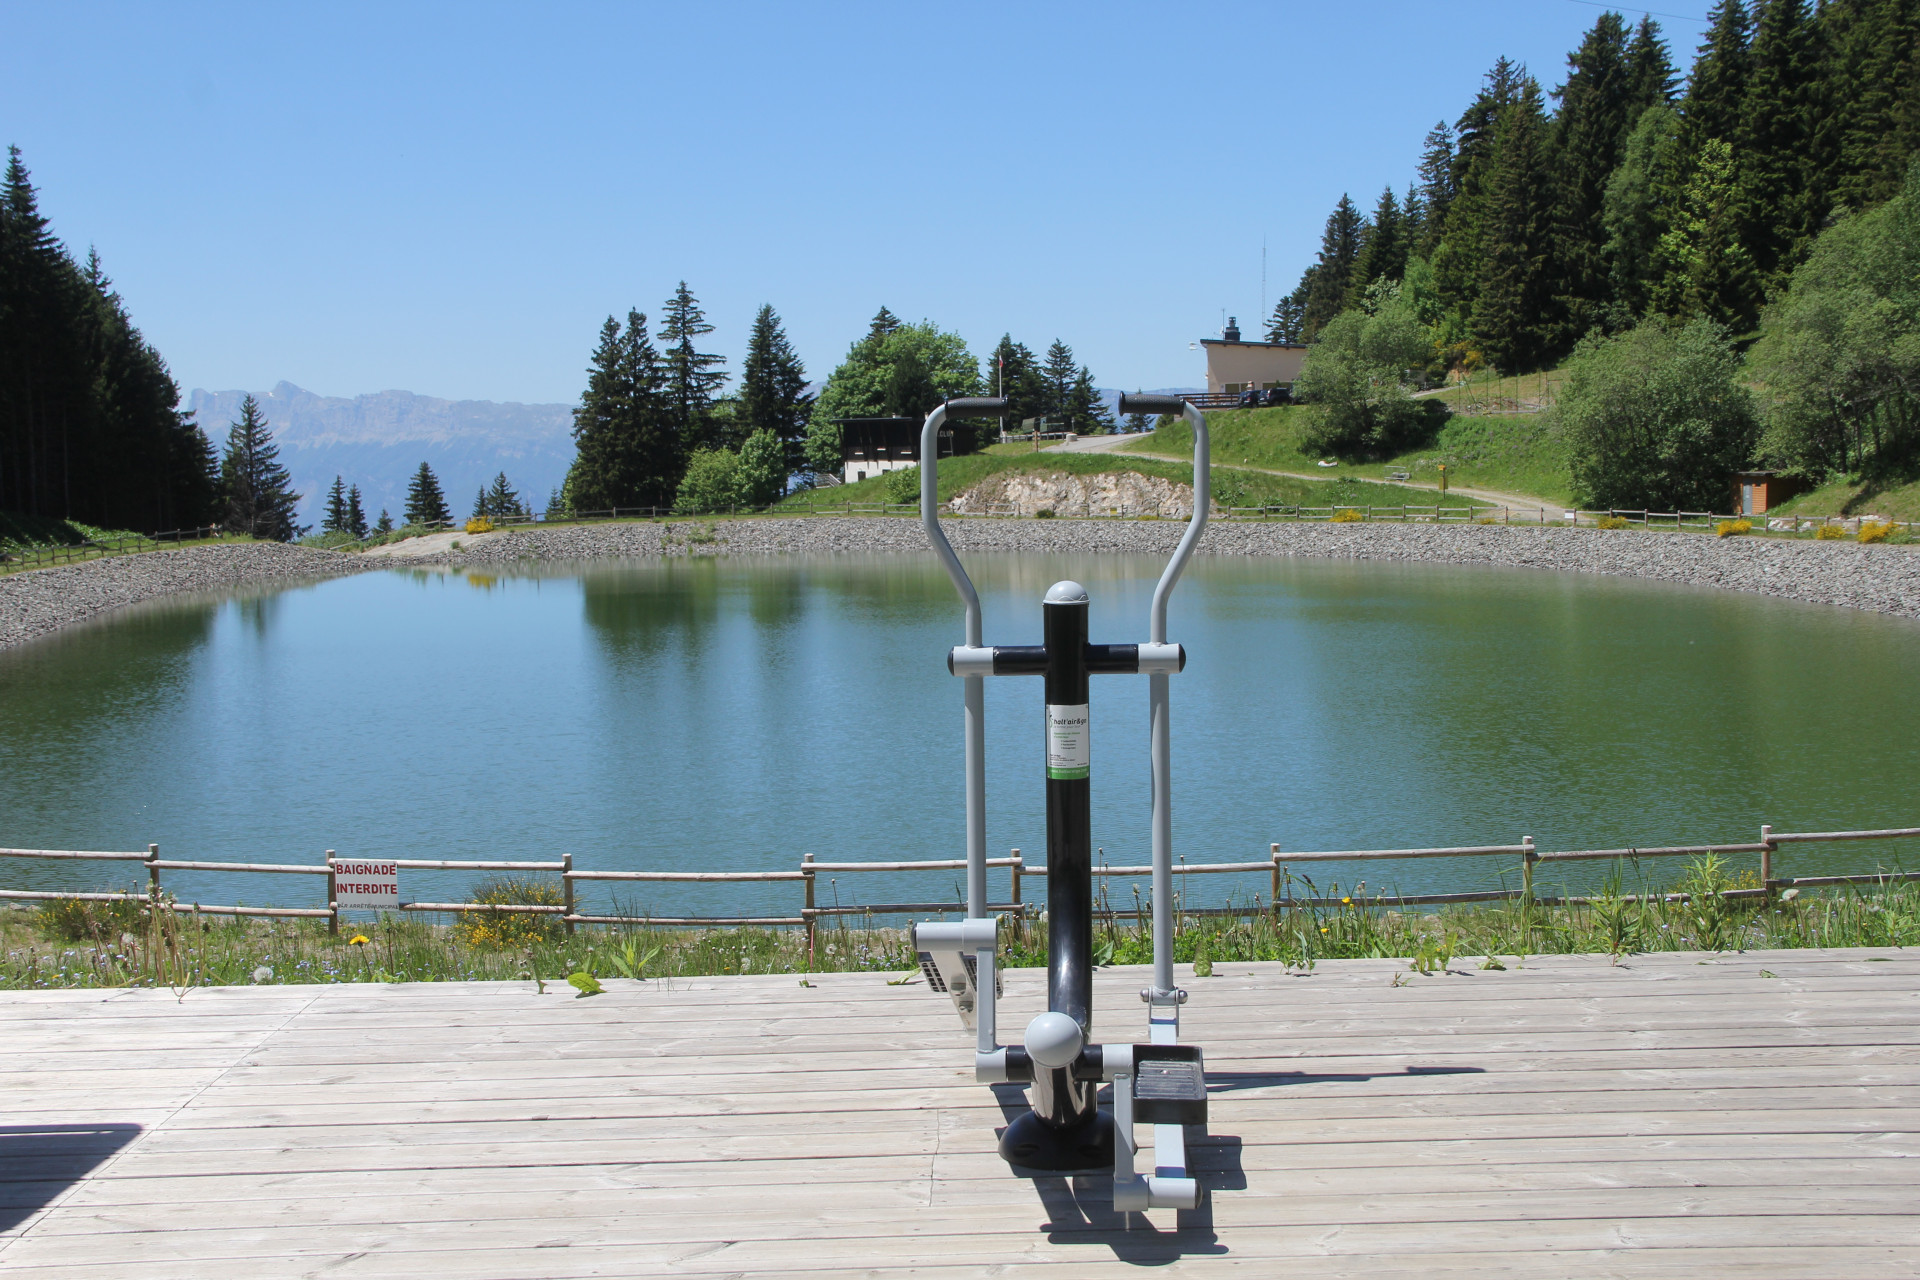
1677,1115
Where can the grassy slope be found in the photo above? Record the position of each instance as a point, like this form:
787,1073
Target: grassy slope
1231,488
1841,498
1511,452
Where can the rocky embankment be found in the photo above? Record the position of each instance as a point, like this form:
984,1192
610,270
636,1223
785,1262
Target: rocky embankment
1878,578
40,601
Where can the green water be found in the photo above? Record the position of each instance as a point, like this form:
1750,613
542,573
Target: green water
733,714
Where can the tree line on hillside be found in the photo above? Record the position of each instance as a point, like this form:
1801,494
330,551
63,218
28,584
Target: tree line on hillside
1652,238
90,427
654,428
1533,228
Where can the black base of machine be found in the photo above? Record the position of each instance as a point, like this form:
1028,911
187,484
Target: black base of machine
1032,1143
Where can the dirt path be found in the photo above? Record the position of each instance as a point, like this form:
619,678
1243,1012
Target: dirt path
1518,501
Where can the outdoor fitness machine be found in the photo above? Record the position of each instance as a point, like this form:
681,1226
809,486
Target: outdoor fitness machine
1161,1083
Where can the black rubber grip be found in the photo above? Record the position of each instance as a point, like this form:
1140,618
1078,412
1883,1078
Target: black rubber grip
976,407
1138,403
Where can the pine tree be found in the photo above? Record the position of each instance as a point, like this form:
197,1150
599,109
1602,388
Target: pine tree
1781,200
1590,134
1289,315
356,513
1058,374
1867,109
1383,250
503,500
1435,187
1331,279
1510,319
90,427
426,505
1650,74
692,377
260,496
773,386
336,520
1717,89
627,448
1459,256
1014,373
385,523
1087,411
480,508
884,322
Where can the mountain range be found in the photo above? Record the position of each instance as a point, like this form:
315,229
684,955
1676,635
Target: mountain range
378,441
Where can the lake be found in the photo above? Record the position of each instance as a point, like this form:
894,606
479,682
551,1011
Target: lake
731,714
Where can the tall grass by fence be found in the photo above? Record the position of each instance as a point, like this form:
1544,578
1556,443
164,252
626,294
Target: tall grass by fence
809,912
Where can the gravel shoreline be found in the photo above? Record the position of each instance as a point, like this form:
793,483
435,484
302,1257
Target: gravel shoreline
1879,579
38,602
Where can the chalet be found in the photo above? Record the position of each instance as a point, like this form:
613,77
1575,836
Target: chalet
871,446
1234,366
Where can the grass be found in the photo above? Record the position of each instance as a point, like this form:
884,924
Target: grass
1487,393
1854,496
1514,453
122,945
1231,487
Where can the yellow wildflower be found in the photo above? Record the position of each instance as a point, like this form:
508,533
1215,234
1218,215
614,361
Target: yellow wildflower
357,940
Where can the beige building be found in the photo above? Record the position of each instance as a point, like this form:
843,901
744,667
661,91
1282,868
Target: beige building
1233,365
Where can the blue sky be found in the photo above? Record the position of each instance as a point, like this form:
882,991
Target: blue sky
450,198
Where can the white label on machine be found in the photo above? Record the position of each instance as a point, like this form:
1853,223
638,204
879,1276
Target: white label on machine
366,885
1069,746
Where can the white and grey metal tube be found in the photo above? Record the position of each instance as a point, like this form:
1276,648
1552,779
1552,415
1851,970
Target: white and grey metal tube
1160,737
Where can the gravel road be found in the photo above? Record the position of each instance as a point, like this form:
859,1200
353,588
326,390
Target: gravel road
1880,579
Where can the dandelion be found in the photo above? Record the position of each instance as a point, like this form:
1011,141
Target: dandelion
262,974
1346,902
1323,928
357,940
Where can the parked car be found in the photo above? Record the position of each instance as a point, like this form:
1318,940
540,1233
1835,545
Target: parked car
1279,395
1252,398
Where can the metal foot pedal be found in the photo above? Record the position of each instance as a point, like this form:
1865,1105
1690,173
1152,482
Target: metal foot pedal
1163,1085
1169,1084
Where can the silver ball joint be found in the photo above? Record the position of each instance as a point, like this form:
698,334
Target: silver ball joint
1054,1040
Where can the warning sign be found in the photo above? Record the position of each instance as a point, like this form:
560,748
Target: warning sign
366,885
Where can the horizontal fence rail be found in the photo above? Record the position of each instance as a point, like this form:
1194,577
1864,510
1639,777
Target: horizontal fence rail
1277,867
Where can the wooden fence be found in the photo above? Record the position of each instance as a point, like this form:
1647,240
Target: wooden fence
1278,867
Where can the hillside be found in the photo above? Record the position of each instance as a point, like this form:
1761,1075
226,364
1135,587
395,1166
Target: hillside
1230,488
1511,452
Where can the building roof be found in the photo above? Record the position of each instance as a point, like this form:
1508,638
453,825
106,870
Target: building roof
1278,346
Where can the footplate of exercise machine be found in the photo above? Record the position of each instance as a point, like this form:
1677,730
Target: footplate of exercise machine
1165,1086
1169,1084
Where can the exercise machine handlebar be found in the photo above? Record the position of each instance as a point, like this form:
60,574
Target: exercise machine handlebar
1137,403
976,407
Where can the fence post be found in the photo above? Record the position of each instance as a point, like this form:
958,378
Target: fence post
1766,858
1526,871
566,888
1273,895
333,903
153,874
806,869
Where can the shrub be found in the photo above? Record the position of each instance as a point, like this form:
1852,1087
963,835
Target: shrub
480,524
1656,417
506,930
1355,377
1875,531
903,485
87,921
1611,522
1732,528
1347,515
1044,513
712,483
1829,532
